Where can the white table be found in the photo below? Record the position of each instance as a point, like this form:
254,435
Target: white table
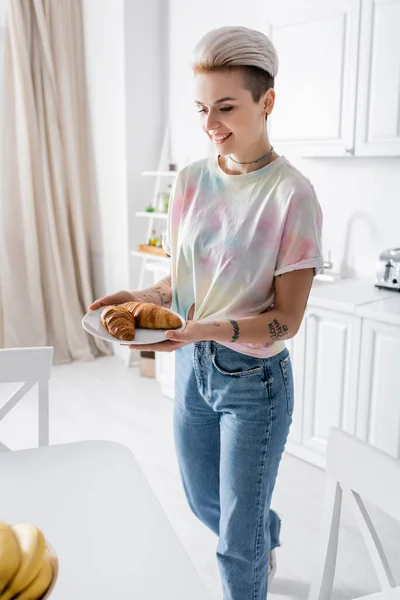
98,511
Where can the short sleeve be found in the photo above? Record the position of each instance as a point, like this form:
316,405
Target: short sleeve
301,246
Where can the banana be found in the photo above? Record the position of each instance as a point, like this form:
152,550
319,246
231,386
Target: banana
10,555
33,545
39,586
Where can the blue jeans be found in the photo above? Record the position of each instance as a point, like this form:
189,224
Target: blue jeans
232,414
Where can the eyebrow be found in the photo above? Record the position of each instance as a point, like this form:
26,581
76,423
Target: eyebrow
226,99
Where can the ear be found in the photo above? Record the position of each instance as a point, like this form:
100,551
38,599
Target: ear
268,101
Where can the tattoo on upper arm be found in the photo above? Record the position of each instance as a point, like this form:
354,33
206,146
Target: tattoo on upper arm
236,332
277,331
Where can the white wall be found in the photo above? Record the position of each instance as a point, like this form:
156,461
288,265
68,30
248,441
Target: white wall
146,109
105,65
360,201
359,196
125,57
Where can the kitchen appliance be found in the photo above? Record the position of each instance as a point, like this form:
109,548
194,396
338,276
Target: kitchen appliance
388,270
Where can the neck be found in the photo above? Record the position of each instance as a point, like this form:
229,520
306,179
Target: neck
233,168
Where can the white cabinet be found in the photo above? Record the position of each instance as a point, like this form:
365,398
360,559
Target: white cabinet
296,347
337,90
325,368
330,376
317,45
378,97
378,412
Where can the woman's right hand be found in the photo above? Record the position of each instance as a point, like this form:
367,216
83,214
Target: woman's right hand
117,298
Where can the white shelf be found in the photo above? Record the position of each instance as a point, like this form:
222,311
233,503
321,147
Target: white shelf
157,215
160,173
149,256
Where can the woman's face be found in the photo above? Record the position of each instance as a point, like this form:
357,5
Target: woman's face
228,113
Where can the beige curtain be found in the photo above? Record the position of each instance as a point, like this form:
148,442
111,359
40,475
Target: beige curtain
46,182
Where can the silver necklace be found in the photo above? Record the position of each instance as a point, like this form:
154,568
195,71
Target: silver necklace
253,161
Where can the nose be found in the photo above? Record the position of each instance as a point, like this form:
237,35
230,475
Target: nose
211,122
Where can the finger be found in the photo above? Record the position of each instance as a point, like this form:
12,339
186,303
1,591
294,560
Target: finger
174,336
95,305
106,301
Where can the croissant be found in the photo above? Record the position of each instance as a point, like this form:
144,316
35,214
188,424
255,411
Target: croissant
119,322
152,316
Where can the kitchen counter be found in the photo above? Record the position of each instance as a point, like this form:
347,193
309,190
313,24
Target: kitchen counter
347,295
386,311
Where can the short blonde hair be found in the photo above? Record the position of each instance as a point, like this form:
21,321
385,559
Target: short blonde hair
228,48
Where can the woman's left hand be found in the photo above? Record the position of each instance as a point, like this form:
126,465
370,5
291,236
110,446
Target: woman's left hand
174,339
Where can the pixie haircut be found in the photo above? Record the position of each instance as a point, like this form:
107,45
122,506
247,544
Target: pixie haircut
242,49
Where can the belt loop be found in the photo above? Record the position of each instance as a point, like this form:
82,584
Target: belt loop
209,347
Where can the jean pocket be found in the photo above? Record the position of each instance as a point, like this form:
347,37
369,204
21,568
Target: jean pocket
286,368
234,364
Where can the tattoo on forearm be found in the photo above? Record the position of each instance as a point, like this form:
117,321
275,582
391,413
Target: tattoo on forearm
216,324
160,294
146,297
164,297
277,331
236,333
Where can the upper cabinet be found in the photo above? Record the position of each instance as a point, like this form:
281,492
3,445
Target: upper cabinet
317,44
338,86
378,92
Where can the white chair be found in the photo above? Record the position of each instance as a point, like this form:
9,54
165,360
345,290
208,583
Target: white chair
97,510
358,470
31,366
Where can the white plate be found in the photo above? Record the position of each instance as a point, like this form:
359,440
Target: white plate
93,325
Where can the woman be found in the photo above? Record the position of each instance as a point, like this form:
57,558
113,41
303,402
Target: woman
243,234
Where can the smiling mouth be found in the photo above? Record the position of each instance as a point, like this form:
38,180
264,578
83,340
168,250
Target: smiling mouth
220,139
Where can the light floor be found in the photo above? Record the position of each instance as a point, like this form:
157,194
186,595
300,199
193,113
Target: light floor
104,400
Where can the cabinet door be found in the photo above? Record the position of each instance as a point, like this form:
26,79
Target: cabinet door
296,348
378,104
331,376
317,44
378,411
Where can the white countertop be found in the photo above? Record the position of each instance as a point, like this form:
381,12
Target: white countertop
386,311
348,295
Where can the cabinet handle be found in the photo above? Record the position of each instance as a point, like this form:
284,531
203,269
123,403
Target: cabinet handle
349,151
312,315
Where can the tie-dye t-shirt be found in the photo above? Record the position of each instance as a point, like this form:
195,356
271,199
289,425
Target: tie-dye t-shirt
229,236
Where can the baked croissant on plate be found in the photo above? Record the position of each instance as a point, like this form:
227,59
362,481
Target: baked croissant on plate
152,316
119,322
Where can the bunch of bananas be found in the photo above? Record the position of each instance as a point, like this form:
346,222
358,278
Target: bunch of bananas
27,563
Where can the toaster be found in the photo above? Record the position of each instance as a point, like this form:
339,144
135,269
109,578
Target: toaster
388,270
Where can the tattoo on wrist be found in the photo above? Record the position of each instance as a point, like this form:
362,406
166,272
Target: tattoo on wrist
235,326
277,331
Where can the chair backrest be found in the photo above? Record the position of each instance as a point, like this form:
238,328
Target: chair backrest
25,364
366,470
28,366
